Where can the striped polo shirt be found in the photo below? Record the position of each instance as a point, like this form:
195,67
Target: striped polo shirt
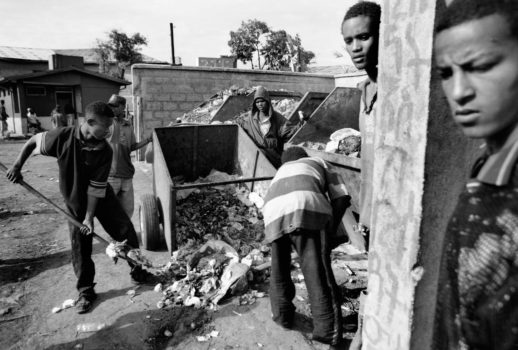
299,197
83,168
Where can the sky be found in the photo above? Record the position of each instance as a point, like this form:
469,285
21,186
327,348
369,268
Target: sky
201,28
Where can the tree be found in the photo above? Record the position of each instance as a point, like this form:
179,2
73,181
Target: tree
123,48
245,41
284,52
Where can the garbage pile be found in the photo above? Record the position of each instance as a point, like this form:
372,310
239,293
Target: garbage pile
219,233
344,141
204,112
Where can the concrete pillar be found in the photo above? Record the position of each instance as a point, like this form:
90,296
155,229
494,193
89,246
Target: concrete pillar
421,163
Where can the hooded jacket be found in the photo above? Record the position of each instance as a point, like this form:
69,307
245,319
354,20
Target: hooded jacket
271,144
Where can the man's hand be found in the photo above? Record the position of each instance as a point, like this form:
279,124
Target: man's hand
14,174
88,226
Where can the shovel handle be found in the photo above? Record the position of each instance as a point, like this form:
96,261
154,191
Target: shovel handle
57,207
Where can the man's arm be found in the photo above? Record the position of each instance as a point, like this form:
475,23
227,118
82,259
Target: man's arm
14,173
141,144
88,222
339,206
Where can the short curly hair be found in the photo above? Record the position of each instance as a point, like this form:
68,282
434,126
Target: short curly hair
367,9
293,153
461,11
98,109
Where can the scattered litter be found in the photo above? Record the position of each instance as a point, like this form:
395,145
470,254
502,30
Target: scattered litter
89,327
148,317
5,311
168,333
78,346
214,334
202,338
300,298
158,288
237,313
65,305
260,345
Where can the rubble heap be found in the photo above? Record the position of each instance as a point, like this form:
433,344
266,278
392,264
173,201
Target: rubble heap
219,234
204,112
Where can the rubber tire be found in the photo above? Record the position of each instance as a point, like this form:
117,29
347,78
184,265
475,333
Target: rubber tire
149,222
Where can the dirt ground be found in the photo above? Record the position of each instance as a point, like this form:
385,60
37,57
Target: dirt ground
36,275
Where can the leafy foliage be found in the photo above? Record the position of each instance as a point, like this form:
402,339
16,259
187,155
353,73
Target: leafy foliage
280,50
245,41
123,48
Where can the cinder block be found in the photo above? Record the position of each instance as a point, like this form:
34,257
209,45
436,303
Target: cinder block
195,98
152,106
162,97
178,97
160,115
151,124
168,106
186,106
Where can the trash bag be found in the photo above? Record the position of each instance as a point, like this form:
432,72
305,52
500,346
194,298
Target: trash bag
234,278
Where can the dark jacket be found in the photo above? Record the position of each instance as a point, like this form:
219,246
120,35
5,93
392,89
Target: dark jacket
271,144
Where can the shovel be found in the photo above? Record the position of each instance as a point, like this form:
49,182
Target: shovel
120,248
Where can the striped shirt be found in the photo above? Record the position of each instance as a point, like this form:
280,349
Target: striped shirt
299,197
83,169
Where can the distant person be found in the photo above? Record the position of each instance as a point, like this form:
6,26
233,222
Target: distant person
267,127
476,52
57,117
33,123
303,209
3,117
123,142
84,159
70,115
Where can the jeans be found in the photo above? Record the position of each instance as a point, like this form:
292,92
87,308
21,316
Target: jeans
324,296
123,189
117,224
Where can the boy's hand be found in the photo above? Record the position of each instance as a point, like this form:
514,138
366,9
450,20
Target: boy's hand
14,174
88,226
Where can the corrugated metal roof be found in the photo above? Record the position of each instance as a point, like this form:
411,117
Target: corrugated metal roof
27,53
22,77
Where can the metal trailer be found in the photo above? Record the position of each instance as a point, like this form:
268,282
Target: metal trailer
340,109
234,105
192,152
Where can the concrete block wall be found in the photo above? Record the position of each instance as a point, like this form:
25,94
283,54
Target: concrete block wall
168,92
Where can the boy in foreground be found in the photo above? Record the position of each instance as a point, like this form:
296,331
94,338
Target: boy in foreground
476,49
84,160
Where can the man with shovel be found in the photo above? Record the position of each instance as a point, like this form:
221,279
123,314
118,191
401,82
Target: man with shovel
84,159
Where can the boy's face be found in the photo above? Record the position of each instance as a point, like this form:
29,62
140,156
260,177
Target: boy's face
360,42
119,110
478,63
99,127
261,104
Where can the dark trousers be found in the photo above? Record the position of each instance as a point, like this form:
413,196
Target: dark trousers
315,262
116,223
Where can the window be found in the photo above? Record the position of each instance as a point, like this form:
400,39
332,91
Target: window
35,91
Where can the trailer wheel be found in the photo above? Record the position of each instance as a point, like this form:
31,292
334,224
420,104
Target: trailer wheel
149,222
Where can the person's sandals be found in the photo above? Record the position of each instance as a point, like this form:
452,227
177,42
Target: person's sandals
85,302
